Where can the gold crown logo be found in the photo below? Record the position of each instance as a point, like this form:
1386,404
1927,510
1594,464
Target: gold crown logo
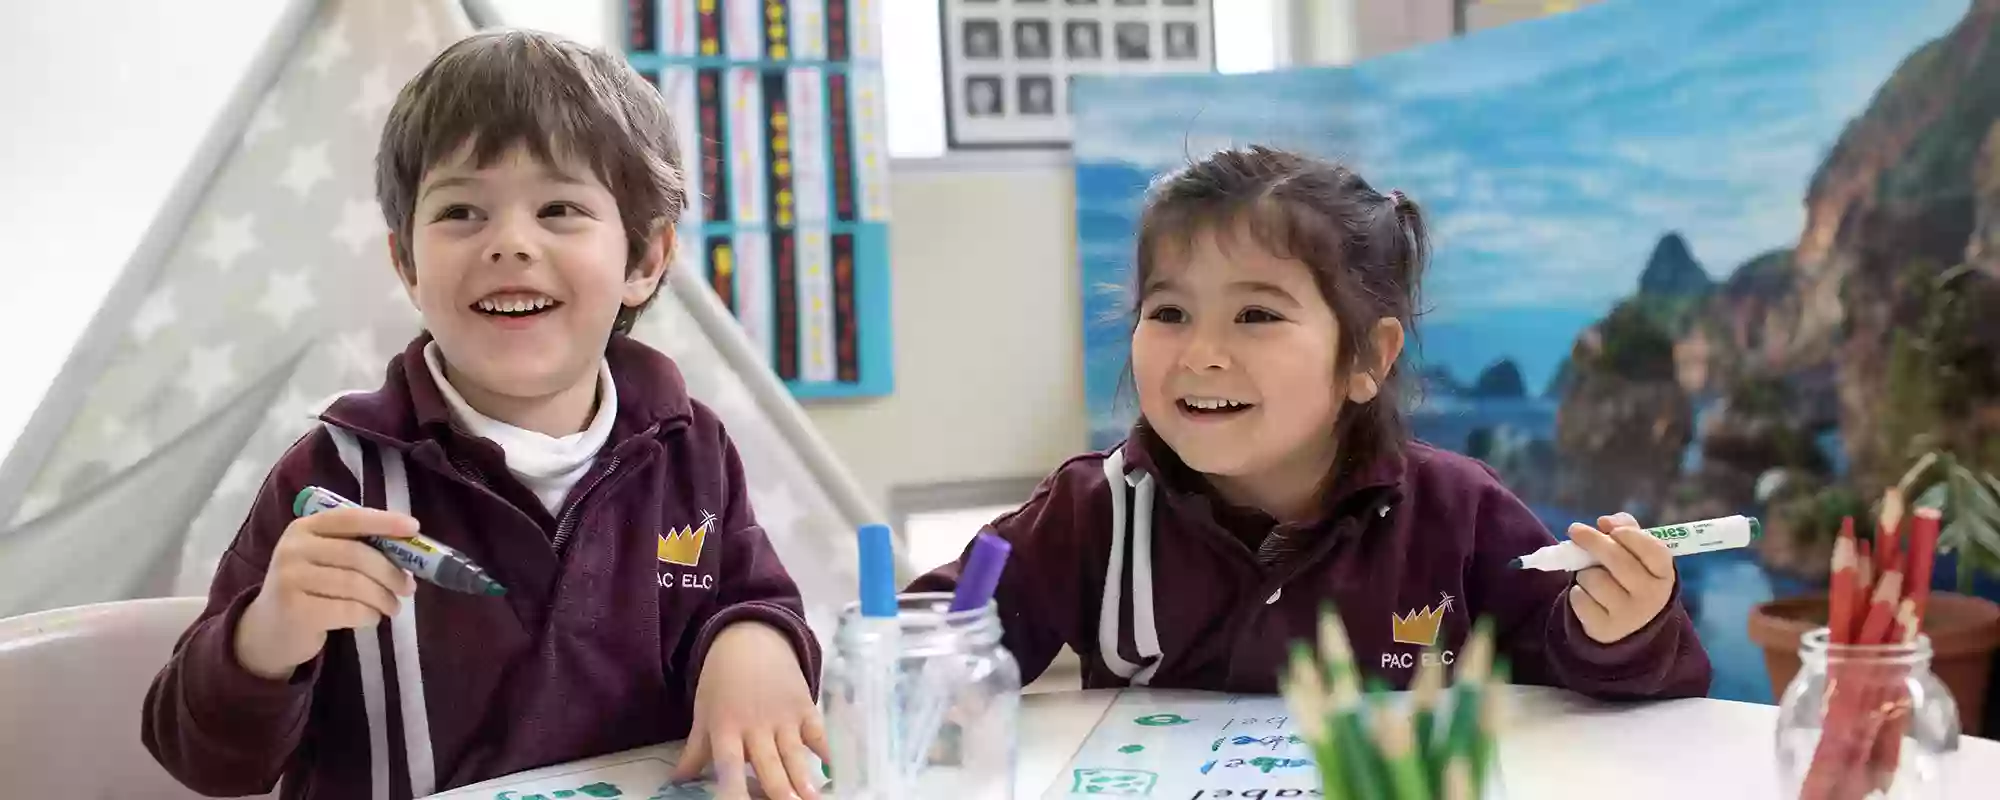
1419,627
683,546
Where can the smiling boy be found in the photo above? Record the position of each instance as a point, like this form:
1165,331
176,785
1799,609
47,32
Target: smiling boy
531,186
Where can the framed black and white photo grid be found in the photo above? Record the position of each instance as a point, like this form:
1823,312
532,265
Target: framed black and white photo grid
1007,63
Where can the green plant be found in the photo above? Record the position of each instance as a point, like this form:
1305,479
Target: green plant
1969,502
1815,516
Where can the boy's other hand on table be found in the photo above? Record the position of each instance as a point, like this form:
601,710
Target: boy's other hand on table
1631,584
753,704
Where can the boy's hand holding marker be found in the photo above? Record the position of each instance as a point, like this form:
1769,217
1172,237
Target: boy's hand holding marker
322,578
1633,582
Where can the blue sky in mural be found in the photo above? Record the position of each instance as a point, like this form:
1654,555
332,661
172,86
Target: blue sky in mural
1552,155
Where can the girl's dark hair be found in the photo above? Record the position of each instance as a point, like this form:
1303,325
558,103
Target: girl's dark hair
1366,250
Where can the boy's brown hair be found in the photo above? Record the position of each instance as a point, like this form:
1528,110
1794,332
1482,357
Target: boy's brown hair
501,89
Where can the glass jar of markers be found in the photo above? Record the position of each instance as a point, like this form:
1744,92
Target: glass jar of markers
1865,721
925,707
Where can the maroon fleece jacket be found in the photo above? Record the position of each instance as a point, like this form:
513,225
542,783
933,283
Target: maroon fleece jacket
1410,550
595,648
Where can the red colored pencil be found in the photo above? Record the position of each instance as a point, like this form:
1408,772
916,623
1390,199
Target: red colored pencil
1887,532
1881,610
1866,580
1843,595
1842,765
1923,557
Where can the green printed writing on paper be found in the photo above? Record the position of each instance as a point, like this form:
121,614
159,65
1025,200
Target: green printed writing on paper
1255,794
1159,720
685,791
1114,782
1273,741
1257,722
1262,764
598,789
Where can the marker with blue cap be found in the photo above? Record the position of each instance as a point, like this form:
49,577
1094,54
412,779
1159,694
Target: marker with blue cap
881,660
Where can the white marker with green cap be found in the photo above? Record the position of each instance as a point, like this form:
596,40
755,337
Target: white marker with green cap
421,556
1685,539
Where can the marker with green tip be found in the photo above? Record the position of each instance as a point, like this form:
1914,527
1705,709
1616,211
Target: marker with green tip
421,556
1685,539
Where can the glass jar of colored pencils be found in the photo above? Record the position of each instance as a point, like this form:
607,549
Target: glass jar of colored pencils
924,704
1865,721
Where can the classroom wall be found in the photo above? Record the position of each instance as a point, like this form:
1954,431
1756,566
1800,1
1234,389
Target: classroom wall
983,245
989,353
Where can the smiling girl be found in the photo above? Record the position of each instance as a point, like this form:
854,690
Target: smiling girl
1271,472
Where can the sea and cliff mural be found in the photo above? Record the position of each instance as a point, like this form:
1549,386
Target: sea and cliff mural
1693,258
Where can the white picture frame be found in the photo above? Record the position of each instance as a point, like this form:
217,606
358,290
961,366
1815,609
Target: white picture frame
1008,63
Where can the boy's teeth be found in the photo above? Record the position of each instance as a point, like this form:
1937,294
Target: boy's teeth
1210,404
514,305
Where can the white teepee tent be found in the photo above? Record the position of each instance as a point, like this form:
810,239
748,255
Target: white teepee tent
262,288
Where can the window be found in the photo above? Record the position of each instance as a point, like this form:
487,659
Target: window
1246,40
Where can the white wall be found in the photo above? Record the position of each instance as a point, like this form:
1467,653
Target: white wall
988,326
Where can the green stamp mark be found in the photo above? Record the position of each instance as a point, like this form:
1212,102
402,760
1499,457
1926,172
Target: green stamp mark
1161,720
1131,748
1114,782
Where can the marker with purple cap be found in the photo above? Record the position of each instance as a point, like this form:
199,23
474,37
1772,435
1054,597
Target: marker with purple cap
976,584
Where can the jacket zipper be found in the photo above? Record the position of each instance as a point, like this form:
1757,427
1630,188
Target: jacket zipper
567,524
572,516
1259,603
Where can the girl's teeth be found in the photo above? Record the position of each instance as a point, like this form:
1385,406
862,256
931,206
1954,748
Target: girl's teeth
1212,405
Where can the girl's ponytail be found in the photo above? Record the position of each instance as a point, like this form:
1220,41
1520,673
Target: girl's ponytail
1416,244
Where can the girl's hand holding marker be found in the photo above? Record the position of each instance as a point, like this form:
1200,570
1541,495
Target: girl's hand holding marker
1632,584
1625,575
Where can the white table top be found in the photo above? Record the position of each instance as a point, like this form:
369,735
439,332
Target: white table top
1558,746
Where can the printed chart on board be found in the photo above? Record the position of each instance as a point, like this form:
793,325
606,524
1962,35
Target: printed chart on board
1191,746
783,127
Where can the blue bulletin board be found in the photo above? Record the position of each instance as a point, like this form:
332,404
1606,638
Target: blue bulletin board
783,133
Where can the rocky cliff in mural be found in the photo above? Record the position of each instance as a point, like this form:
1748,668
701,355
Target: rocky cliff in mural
1625,420
1874,335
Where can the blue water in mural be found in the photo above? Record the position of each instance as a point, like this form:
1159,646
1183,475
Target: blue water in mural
1720,589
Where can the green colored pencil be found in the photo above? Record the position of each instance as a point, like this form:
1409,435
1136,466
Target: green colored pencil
1457,780
1400,755
1366,776
1474,666
1425,693
1368,747
1336,654
1305,694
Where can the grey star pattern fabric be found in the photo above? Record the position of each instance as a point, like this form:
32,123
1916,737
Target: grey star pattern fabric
282,259
280,287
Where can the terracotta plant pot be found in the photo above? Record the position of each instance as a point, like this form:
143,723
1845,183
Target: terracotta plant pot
1964,631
